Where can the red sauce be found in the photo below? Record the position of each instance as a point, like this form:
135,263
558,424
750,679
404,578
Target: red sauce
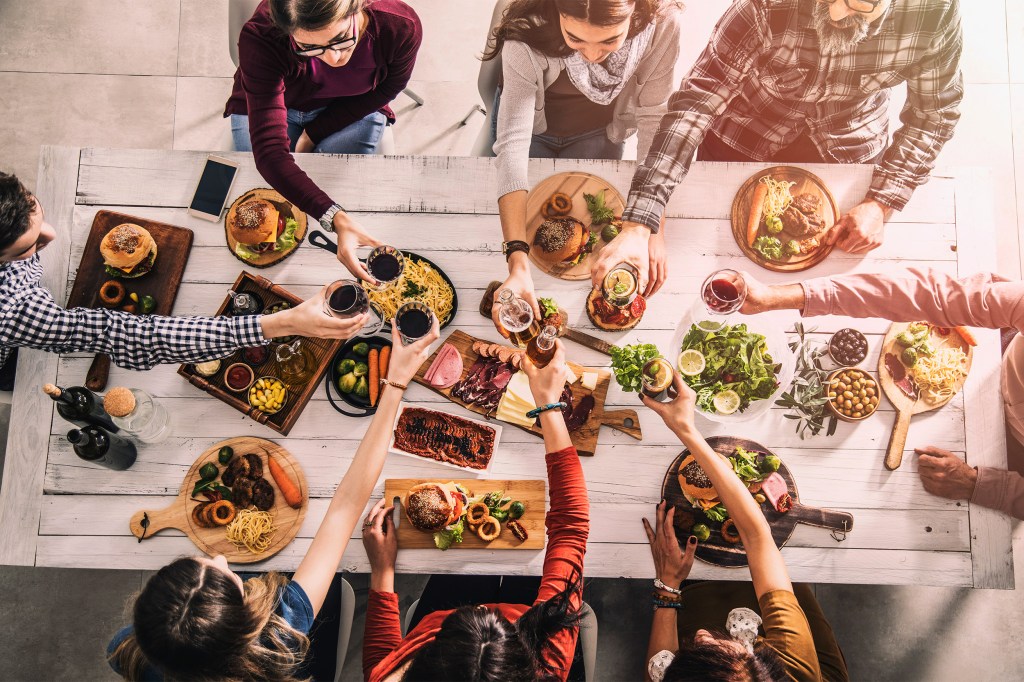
238,377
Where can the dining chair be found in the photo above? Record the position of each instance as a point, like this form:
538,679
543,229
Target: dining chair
240,11
487,84
346,616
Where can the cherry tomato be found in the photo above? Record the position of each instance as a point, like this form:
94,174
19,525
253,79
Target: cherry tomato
728,378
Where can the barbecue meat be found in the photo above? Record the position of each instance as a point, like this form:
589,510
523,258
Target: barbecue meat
262,494
795,223
241,493
445,438
807,203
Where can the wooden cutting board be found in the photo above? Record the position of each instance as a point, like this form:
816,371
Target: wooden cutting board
213,540
162,282
584,438
530,492
284,207
806,182
717,551
575,185
907,407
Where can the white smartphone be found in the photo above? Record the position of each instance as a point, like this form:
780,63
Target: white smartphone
213,188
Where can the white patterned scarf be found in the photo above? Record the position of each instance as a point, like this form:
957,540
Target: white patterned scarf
602,82
742,625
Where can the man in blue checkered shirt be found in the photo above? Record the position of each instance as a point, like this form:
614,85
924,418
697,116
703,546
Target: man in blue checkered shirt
30,317
807,81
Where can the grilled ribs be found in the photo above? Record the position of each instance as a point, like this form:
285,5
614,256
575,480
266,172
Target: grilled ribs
445,438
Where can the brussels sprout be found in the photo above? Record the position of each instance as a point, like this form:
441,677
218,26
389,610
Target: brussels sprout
925,348
362,388
225,454
701,532
609,232
347,382
909,356
361,348
770,463
208,471
792,247
516,510
774,224
361,369
346,366
905,339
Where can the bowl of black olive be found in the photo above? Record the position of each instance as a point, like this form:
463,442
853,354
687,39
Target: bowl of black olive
848,347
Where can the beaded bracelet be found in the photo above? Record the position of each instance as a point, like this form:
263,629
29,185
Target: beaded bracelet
550,406
662,604
388,382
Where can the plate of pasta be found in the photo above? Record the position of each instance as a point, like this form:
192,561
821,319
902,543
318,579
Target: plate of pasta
244,498
422,281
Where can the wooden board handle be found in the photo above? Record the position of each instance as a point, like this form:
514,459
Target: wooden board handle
822,518
147,523
625,421
897,440
99,372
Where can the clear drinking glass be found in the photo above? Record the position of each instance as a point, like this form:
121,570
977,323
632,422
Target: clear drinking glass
414,320
724,292
346,299
386,265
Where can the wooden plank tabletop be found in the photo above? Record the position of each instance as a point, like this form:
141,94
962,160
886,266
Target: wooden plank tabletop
56,510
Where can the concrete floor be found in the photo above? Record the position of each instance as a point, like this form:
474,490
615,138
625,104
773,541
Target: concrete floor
70,76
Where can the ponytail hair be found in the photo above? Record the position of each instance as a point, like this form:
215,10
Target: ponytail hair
311,15
536,23
192,622
476,643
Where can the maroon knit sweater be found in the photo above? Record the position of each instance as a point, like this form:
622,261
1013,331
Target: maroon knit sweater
271,79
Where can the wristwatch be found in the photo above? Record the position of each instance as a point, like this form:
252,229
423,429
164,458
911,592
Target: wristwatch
327,219
508,248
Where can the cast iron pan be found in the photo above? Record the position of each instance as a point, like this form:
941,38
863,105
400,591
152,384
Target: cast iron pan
359,407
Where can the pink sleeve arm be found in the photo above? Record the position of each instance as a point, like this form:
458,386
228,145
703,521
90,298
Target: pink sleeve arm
982,300
1001,490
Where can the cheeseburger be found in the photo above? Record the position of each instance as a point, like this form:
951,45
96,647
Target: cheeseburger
432,507
258,228
563,241
697,487
128,251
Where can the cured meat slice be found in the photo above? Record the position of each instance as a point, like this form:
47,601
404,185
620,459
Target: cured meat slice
444,437
899,375
775,489
504,353
581,413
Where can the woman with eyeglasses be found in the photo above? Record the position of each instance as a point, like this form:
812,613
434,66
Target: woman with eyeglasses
318,76
578,77
195,619
765,630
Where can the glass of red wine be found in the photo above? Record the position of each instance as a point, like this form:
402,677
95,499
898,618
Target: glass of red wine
386,265
414,320
724,292
346,298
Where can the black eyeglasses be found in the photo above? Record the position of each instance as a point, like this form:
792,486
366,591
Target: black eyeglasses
336,45
859,6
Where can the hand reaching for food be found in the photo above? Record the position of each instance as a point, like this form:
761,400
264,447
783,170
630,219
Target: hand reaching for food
407,359
671,563
380,540
631,246
308,319
351,236
658,272
861,229
944,474
678,412
547,383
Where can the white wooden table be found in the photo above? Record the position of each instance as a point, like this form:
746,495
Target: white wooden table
56,510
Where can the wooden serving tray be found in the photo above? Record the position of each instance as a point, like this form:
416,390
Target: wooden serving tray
530,492
584,438
907,407
717,551
574,184
213,540
323,350
806,182
162,282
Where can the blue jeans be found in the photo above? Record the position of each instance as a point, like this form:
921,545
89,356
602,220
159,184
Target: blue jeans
361,137
590,144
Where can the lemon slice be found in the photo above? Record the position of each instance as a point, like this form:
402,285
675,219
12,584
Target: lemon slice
691,362
727,401
710,325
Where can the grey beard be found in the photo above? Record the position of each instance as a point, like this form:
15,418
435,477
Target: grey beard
833,40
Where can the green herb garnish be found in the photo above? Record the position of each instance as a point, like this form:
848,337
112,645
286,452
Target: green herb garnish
600,214
808,395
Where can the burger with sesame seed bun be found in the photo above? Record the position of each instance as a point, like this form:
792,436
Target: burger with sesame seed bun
697,487
128,251
563,241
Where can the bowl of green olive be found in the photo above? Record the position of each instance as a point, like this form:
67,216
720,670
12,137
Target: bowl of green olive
853,394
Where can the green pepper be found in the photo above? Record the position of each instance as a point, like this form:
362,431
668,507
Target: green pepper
225,454
361,348
148,304
361,369
346,366
701,532
347,383
208,471
500,514
516,510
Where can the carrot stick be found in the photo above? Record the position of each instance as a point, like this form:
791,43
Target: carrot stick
374,378
967,335
385,361
756,206
291,492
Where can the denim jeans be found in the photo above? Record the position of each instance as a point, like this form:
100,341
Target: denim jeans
361,137
591,144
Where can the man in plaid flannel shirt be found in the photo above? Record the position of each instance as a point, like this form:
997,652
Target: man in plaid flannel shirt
805,81
30,317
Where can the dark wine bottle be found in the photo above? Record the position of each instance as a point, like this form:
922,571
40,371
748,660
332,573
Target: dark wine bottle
80,406
94,444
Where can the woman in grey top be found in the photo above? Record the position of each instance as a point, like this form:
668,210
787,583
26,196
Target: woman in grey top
578,78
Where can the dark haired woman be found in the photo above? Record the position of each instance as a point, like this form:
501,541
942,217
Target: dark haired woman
532,640
197,620
709,631
578,78
317,76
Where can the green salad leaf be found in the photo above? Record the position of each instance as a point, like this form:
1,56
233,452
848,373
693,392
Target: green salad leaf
548,307
628,361
286,240
744,463
734,358
600,214
717,513
245,253
769,247
450,535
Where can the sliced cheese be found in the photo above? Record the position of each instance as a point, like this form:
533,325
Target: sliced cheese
570,378
519,387
514,416
589,380
516,401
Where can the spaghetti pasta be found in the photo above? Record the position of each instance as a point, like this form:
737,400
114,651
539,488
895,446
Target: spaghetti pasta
779,197
252,529
939,376
419,282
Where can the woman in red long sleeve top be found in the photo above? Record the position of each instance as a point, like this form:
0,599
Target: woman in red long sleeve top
488,641
318,76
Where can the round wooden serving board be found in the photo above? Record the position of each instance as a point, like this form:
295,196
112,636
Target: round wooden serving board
575,185
806,182
284,208
906,407
717,551
213,540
